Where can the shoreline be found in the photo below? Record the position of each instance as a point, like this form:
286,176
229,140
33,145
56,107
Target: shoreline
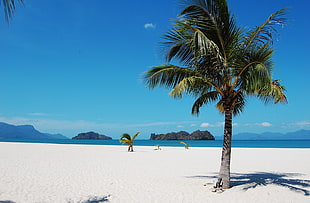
295,144
40,172
148,146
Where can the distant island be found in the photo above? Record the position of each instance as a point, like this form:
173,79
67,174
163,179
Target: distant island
8,131
91,136
183,135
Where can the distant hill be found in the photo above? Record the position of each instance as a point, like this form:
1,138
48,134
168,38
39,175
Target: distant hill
183,135
297,135
91,136
8,131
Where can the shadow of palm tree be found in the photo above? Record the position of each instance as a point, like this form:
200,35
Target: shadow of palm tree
252,180
6,201
94,199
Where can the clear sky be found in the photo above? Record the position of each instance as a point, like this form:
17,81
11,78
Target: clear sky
76,66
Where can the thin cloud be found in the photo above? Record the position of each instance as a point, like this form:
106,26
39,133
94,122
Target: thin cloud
303,123
79,124
37,114
266,124
48,124
149,26
218,124
263,124
298,124
203,125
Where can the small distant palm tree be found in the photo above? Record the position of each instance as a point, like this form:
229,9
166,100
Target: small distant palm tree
157,147
9,7
127,139
185,145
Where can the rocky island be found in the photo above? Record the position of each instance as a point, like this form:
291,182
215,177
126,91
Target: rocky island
183,135
91,136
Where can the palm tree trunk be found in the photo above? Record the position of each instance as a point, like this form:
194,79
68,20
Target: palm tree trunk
224,175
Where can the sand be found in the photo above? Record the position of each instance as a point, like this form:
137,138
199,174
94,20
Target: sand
84,173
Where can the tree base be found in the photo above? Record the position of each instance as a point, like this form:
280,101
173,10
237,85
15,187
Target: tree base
219,183
218,190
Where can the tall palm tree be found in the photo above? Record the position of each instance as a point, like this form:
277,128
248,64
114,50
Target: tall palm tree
127,139
9,7
220,62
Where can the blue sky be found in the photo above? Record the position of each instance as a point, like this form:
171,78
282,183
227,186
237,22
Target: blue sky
76,66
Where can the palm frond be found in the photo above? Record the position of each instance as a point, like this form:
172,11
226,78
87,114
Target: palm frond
253,71
185,145
264,33
192,85
210,11
255,55
203,46
213,18
126,139
204,99
9,7
274,93
239,104
134,136
168,76
179,42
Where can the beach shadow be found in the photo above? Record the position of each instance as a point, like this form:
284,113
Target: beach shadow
7,201
252,180
94,199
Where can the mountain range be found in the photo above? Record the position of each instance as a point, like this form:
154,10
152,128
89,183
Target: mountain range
8,131
297,135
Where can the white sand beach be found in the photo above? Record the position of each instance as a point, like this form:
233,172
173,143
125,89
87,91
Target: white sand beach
81,173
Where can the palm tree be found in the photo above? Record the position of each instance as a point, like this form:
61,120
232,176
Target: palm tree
220,62
127,139
157,147
9,8
185,145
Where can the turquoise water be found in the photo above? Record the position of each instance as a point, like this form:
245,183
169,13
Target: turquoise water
176,143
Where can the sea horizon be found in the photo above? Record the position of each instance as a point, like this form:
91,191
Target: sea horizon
298,143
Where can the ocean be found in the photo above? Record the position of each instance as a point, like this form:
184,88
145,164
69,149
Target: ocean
176,143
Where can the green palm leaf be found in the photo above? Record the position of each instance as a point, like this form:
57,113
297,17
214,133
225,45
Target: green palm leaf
134,136
185,145
126,139
9,7
273,93
264,33
167,75
129,140
204,99
192,85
